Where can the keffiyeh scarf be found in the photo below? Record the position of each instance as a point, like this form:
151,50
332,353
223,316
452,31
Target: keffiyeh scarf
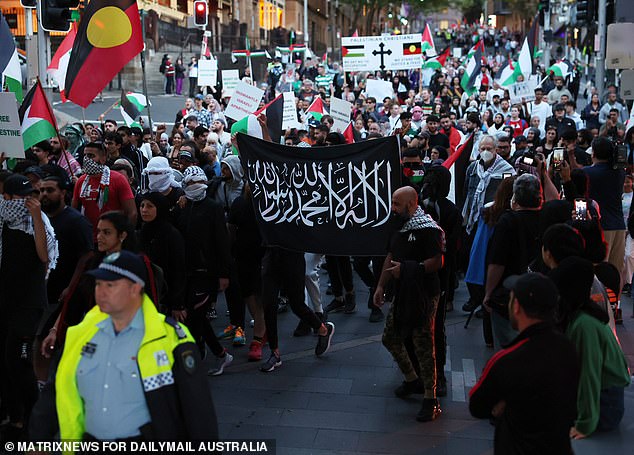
93,168
420,220
15,215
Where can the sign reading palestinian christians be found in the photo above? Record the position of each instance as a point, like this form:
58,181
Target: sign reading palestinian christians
371,53
330,200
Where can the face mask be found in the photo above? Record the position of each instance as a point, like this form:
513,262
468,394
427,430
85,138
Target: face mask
13,210
195,191
486,156
160,183
91,167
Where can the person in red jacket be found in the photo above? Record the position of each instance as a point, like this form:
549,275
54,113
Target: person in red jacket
451,132
518,124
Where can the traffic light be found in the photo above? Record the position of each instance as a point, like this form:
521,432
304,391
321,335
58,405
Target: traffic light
28,3
55,15
200,13
585,11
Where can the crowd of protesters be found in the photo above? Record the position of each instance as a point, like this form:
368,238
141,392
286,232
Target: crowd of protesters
538,186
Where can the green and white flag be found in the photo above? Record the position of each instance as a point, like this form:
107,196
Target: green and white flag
37,118
11,73
131,105
561,69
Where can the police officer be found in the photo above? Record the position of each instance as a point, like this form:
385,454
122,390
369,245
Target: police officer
127,372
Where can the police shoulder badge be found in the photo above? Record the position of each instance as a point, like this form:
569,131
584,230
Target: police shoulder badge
189,361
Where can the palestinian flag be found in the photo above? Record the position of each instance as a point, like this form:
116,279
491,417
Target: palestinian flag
10,71
348,134
131,105
438,61
412,49
428,41
562,68
528,51
59,64
357,50
37,118
473,70
250,125
508,74
478,45
317,109
109,36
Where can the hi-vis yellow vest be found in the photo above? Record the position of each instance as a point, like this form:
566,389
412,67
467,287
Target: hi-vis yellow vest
159,341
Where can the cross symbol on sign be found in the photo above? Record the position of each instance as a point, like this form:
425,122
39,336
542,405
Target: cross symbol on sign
382,52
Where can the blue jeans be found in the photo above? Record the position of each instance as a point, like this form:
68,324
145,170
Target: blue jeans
611,408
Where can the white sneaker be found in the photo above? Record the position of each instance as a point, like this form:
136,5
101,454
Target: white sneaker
219,364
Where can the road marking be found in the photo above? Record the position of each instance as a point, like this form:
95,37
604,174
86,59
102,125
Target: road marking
448,359
468,369
457,386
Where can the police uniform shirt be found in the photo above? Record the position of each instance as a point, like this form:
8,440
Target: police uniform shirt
109,381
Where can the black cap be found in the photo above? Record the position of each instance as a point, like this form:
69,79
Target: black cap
122,264
18,185
35,170
535,292
559,107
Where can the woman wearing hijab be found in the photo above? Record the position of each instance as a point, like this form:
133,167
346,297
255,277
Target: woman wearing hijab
164,246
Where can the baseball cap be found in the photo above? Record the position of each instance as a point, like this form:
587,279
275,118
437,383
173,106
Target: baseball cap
314,123
122,264
534,291
559,107
185,155
199,97
18,185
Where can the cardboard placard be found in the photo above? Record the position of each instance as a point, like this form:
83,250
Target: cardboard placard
379,89
289,113
207,72
10,130
619,50
340,113
392,52
230,79
521,90
245,100
627,85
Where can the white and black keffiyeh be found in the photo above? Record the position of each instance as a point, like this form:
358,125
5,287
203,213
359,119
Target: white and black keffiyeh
420,220
15,215
91,167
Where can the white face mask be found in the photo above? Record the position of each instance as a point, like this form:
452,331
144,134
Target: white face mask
486,156
195,191
160,183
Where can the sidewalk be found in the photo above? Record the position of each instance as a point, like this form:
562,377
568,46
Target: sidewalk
344,402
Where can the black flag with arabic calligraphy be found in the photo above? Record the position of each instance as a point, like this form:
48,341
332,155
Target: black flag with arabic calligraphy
334,200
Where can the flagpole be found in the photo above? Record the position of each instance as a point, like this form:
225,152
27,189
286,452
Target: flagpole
147,99
83,116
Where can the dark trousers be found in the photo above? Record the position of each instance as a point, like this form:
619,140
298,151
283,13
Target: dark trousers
235,303
19,384
611,408
370,277
201,291
283,268
340,273
193,85
477,295
169,84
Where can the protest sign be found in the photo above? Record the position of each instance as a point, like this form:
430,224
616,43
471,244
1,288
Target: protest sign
230,79
371,53
340,113
379,89
245,100
289,112
333,200
10,130
207,72
525,90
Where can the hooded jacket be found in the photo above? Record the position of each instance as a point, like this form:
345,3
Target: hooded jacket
226,191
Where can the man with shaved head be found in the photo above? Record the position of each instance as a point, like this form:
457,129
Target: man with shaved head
415,256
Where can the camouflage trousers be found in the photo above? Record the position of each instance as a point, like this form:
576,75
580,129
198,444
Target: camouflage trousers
423,341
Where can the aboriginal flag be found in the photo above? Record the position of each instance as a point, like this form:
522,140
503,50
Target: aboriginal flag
412,49
109,36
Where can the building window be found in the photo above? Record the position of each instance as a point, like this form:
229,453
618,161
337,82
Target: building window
271,14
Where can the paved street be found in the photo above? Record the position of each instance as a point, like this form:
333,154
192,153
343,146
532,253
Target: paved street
344,402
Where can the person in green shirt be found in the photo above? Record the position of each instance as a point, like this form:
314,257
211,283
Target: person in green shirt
604,371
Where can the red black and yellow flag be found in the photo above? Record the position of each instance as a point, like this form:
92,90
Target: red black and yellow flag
109,36
412,49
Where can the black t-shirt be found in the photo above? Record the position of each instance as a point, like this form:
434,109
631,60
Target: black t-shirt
74,238
418,246
515,241
248,239
22,274
438,139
